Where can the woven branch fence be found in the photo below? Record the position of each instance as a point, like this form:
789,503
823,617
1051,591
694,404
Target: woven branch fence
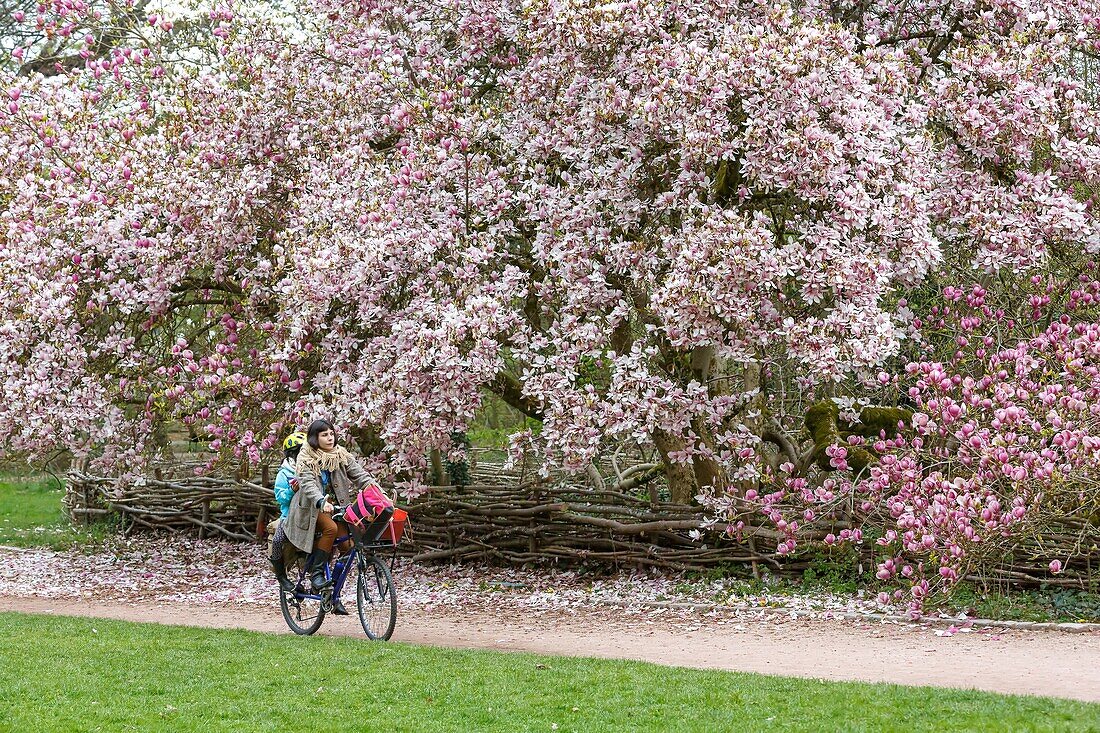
173,498
536,521
517,520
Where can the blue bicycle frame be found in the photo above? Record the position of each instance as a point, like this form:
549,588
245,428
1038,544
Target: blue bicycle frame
338,574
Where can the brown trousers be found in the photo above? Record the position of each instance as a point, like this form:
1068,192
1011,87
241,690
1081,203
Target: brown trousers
329,528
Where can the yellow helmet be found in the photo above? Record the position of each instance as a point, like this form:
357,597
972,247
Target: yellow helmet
294,440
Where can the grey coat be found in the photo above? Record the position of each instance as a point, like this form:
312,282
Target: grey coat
301,521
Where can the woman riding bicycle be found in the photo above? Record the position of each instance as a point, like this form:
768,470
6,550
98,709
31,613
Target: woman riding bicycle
324,468
285,486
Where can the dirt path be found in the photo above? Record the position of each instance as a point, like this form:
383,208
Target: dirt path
1024,662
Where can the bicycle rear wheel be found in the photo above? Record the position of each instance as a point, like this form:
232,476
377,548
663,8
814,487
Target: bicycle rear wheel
376,598
302,614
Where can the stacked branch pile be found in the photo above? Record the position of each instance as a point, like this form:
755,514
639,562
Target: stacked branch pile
174,498
573,524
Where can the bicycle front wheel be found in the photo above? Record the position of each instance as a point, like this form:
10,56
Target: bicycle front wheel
376,598
304,615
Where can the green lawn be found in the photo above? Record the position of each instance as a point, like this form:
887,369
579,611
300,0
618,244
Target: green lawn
69,674
31,515
30,512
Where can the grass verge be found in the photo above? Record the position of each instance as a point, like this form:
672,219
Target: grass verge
75,674
31,515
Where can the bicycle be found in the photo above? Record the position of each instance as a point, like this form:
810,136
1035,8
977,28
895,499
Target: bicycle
304,609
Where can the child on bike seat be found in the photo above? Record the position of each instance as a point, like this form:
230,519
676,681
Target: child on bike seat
285,486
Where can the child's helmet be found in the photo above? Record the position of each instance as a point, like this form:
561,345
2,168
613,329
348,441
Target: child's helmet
294,440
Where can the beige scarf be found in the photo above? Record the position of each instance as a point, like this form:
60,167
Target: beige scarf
314,459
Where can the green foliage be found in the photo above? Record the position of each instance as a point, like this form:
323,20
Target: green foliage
595,371
459,471
485,437
723,571
496,421
31,515
1047,603
835,569
110,675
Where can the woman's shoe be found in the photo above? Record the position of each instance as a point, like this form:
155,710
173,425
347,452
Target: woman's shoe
338,608
318,561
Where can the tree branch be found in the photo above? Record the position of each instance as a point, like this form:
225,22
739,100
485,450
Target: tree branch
509,389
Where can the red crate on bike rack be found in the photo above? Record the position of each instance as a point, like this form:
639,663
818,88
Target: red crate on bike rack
396,528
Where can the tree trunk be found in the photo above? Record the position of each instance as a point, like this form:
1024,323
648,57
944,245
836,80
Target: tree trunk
682,484
754,379
437,468
707,471
492,413
509,389
368,439
162,439
702,357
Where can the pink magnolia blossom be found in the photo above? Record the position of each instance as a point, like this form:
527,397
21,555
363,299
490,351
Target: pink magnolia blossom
661,227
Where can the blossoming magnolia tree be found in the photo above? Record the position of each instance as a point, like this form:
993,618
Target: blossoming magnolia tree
654,223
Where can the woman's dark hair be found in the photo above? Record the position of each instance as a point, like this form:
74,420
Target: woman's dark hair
316,428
